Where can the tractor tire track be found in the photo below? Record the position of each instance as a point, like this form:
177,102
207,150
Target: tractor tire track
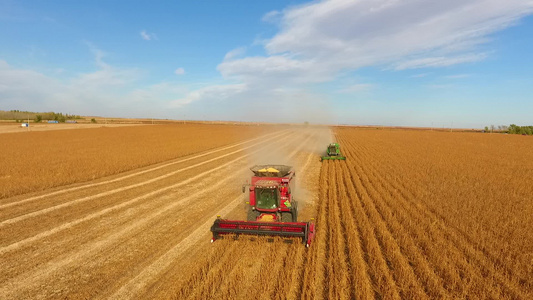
136,173
140,281
184,292
70,224
146,182
316,254
85,253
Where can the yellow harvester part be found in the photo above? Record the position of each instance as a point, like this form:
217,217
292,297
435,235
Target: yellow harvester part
267,218
269,170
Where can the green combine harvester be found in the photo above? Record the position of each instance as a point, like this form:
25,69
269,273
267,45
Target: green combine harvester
333,152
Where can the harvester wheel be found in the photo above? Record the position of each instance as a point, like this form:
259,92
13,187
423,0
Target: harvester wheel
252,215
286,217
294,211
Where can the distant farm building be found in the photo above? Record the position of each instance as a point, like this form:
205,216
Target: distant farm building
53,121
25,125
72,121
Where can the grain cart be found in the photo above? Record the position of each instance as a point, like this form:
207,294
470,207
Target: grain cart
272,210
333,152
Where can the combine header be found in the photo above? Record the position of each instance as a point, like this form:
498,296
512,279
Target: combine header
272,210
333,152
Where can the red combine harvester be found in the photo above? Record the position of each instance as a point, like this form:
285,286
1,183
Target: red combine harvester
272,209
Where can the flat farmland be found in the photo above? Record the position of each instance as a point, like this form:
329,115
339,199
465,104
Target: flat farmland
119,236
409,215
37,160
422,214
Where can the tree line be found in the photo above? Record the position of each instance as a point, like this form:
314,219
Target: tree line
52,116
511,129
22,116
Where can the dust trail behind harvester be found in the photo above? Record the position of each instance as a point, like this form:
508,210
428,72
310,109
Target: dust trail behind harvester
320,137
312,139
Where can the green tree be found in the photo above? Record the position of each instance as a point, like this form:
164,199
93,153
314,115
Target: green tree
93,120
38,118
513,129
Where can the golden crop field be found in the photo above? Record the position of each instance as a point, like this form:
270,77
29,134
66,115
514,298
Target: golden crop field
37,160
409,215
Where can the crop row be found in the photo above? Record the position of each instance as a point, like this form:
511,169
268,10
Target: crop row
409,214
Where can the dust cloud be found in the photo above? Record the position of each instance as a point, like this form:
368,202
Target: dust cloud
307,116
305,140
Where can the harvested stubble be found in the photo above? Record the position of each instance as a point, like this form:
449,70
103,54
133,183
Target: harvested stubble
409,214
34,161
126,231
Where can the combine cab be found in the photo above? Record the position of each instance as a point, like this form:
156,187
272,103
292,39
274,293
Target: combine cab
333,152
272,210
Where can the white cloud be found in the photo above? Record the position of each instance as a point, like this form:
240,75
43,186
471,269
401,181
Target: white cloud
275,69
353,34
235,53
322,40
241,102
106,75
441,61
98,55
179,71
419,75
19,86
272,16
210,93
164,92
316,42
108,90
147,36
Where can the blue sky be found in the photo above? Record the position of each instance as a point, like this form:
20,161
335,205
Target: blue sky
379,62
